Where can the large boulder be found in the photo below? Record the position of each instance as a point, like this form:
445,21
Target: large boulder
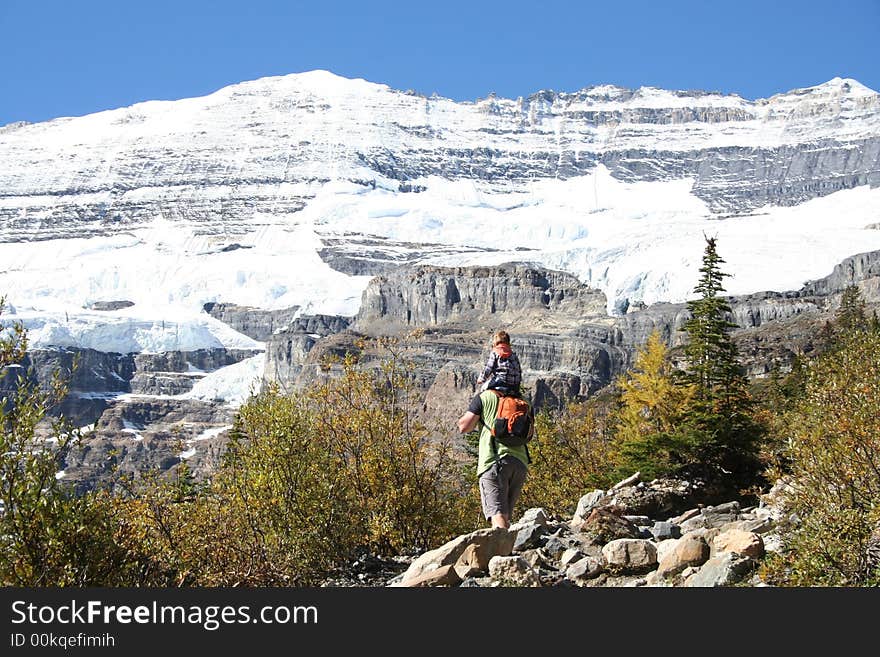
660,498
748,544
688,551
513,571
484,544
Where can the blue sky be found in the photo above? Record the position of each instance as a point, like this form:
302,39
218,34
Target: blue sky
73,57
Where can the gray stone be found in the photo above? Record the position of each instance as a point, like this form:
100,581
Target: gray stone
584,569
529,537
586,505
570,556
662,530
555,547
630,555
639,521
692,524
533,516
725,569
711,517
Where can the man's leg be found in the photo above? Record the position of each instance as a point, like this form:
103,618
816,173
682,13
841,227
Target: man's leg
493,495
515,476
500,488
501,520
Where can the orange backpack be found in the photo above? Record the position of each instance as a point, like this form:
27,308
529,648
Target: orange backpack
514,421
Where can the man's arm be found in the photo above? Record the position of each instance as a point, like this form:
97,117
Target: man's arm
468,422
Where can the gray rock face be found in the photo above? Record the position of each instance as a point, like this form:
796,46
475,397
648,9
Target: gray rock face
359,255
110,305
141,434
568,346
253,322
287,349
855,269
134,434
428,296
99,376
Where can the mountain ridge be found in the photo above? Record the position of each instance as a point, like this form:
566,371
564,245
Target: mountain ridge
589,90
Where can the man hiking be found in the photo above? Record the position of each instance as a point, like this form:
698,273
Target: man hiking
501,468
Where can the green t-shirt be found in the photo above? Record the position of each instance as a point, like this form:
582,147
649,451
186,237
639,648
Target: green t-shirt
486,457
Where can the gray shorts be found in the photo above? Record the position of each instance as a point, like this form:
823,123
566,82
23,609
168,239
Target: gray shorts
501,485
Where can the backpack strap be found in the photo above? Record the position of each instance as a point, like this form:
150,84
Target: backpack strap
491,429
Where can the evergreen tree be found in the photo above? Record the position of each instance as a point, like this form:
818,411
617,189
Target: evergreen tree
711,354
720,424
851,316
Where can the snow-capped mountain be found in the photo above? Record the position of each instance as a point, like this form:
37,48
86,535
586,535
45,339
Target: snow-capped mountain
292,191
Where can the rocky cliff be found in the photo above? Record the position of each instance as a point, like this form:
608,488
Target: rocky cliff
568,346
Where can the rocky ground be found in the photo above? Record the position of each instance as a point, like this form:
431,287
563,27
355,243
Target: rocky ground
634,534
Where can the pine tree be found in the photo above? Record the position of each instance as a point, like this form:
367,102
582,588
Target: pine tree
711,354
851,315
720,424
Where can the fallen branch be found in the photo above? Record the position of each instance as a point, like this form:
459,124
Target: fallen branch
629,481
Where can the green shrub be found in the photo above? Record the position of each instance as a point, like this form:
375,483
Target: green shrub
571,455
833,436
